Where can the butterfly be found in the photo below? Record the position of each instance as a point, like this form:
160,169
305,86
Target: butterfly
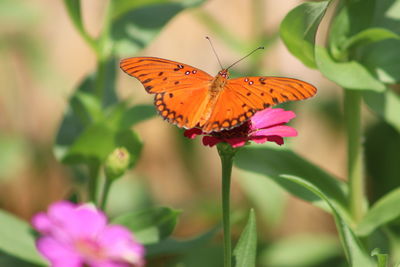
191,98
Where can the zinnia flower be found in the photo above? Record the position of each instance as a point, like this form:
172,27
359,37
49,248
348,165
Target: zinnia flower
78,235
265,125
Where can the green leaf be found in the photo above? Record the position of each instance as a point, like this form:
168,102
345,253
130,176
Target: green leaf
172,246
349,75
298,30
386,105
382,258
383,60
270,207
382,212
244,253
74,12
370,35
274,162
301,251
94,144
137,114
84,109
16,238
355,253
8,260
134,24
151,225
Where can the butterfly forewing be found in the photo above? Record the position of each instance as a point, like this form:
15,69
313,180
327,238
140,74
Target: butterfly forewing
180,89
161,75
242,97
262,92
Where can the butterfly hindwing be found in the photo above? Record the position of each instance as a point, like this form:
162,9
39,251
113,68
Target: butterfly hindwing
161,75
182,107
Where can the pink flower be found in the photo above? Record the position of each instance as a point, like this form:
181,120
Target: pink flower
265,125
78,235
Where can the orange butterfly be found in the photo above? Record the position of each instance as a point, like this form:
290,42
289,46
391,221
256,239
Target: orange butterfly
189,97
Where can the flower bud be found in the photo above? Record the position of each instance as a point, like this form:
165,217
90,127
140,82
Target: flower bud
117,163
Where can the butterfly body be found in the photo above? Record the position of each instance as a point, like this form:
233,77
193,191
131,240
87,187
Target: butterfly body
189,97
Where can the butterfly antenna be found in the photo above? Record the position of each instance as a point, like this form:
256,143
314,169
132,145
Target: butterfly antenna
258,48
215,53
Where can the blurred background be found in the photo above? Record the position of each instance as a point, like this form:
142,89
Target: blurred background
44,59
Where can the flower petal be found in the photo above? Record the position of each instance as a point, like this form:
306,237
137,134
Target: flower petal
236,142
120,245
211,141
192,133
280,130
42,223
85,222
58,253
269,117
276,139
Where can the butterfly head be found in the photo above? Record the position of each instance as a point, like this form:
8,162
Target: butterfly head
224,73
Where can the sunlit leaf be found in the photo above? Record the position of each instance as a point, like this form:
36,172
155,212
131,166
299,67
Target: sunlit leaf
172,246
369,36
151,225
245,251
84,108
273,163
349,75
355,253
301,251
382,212
383,60
137,114
16,238
382,258
74,12
136,23
270,207
386,105
299,28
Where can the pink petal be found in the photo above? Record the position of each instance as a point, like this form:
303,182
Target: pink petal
120,244
280,130
236,142
42,223
269,117
192,133
211,141
259,139
85,222
59,254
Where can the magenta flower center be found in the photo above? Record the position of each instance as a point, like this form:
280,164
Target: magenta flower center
90,249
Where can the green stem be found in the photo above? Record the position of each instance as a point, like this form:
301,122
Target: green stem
355,175
94,169
106,191
226,153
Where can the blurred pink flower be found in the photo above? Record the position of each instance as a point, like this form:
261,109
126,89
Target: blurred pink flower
265,125
78,235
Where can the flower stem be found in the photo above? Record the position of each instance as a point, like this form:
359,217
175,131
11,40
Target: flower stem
226,153
94,169
352,112
106,190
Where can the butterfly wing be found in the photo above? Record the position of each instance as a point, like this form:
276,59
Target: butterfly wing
242,97
180,90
